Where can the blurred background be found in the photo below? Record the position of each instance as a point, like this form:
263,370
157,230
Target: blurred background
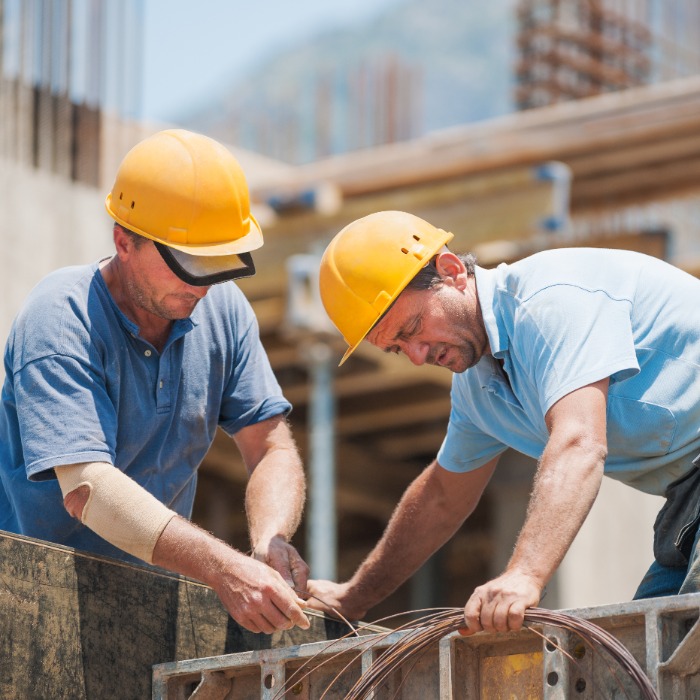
519,125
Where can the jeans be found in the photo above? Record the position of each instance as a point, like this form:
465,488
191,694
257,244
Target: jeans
679,570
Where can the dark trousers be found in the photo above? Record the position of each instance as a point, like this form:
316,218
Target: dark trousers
676,567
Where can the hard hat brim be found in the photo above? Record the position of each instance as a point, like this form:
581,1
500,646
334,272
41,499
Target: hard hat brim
354,347
251,241
348,352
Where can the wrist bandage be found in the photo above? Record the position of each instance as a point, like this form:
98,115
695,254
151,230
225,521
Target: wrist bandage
117,509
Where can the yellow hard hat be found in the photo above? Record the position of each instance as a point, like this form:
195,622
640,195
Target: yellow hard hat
369,263
188,194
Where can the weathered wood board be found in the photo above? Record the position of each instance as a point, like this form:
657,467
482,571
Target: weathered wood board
79,626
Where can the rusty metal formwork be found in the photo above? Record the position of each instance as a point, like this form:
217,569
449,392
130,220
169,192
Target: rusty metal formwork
663,634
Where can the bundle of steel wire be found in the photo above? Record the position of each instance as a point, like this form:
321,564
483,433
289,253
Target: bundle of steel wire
436,626
419,635
597,638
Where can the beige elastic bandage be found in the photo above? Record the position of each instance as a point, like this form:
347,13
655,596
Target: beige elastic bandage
117,509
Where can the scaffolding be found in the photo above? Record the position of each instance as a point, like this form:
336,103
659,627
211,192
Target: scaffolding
63,64
569,49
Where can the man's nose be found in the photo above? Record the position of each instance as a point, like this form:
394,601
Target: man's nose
199,292
416,353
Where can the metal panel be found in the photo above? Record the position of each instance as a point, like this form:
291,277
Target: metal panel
663,634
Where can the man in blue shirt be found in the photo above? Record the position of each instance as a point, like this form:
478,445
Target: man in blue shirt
586,359
119,373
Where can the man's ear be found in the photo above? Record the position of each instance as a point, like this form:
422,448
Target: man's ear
452,270
122,241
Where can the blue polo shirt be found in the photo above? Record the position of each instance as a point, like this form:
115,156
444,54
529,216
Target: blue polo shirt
562,319
82,385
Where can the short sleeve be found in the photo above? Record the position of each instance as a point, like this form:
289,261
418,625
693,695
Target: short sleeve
465,447
64,414
570,337
252,393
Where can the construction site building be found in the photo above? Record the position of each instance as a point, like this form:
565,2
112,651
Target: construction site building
620,169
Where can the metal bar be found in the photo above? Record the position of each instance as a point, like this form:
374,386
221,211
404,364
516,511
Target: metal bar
322,526
213,686
273,678
652,632
685,659
460,667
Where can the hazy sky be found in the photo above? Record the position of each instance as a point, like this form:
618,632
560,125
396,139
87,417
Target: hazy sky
193,47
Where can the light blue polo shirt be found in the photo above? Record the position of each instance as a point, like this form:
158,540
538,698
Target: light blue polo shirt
562,319
81,385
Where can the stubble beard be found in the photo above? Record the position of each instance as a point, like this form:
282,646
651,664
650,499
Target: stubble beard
144,301
466,351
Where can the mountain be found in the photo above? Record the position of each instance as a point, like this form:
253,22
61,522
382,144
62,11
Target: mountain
417,67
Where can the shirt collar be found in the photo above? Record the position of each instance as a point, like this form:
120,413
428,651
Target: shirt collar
486,287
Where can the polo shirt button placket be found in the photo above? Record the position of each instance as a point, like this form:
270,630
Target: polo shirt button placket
163,385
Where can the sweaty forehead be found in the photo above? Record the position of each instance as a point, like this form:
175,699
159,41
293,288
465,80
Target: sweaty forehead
392,325
378,333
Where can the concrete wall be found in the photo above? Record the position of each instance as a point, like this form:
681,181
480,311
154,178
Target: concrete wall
47,222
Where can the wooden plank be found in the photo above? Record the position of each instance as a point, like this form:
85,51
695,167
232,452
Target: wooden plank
558,132
374,420
585,166
639,185
82,627
378,381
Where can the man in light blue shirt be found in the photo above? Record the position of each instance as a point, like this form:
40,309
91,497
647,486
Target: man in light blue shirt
586,359
119,373
564,319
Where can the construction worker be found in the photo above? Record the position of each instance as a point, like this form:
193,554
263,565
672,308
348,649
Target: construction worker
119,373
586,359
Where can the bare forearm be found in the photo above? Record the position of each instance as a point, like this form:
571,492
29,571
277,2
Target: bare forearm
396,557
254,594
565,489
429,513
275,496
188,550
424,520
566,486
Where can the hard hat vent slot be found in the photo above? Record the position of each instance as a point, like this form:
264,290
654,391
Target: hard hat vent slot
132,204
404,251
416,237
121,196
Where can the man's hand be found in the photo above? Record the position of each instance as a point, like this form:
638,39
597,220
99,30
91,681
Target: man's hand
258,598
254,594
431,510
284,559
334,598
566,485
499,605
